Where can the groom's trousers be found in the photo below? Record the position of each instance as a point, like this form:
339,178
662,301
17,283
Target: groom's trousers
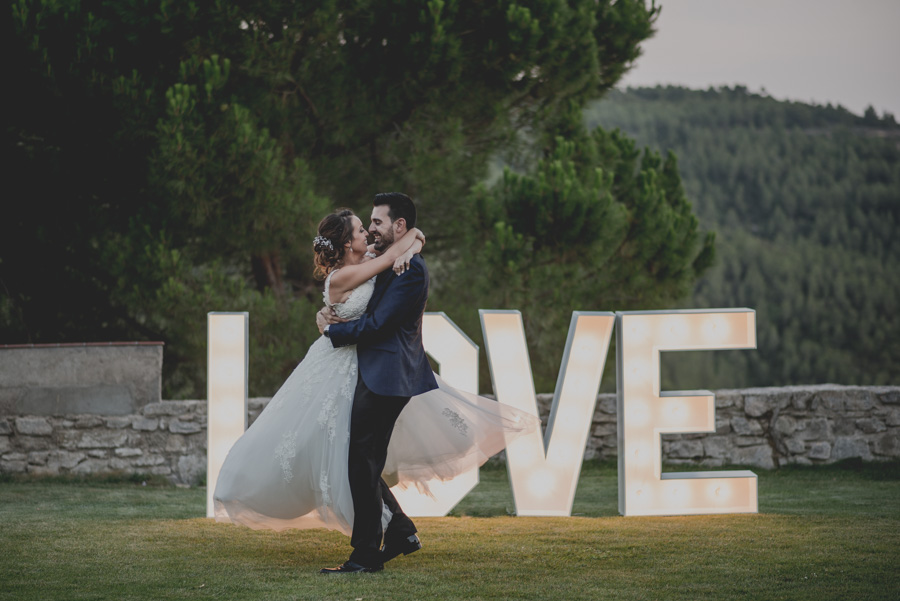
371,424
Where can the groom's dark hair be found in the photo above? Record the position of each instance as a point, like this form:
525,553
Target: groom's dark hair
399,205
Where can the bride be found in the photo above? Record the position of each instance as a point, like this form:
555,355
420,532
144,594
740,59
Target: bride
289,469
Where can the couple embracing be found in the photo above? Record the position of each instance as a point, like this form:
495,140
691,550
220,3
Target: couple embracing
363,408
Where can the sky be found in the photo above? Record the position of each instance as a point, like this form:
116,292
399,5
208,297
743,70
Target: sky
844,52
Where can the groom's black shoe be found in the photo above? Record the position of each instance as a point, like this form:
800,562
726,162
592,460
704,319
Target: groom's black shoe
349,567
392,549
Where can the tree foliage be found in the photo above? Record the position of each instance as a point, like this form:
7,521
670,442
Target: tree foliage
806,204
172,158
594,224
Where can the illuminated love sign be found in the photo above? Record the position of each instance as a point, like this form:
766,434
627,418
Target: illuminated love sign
227,356
645,412
543,470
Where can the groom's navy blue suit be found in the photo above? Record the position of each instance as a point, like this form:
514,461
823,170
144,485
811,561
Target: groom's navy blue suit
389,335
392,368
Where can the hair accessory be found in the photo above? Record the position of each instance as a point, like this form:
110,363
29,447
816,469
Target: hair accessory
321,243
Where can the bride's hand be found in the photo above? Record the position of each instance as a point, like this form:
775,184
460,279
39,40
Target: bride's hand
402,262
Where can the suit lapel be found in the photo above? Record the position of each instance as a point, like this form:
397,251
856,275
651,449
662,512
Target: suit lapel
382,281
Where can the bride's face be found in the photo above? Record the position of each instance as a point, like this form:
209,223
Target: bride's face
359,241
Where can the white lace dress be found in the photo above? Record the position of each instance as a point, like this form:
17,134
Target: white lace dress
289,469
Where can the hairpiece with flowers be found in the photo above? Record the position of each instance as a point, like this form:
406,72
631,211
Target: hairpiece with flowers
320,243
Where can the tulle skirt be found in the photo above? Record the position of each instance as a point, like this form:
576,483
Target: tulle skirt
289,469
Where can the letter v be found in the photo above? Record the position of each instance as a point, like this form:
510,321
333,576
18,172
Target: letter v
544,470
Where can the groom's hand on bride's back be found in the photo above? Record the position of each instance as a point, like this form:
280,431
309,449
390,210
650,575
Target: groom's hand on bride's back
326,317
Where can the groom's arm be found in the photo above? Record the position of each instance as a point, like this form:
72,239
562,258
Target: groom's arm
404,292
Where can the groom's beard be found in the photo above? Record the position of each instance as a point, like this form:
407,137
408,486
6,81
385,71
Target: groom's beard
384,241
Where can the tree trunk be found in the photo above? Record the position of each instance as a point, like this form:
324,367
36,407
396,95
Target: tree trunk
267,273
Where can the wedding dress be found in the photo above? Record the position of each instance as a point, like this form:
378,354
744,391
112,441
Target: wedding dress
289,469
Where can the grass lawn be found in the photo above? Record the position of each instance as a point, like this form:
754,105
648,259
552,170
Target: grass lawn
822,533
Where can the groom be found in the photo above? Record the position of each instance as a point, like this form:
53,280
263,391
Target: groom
392,368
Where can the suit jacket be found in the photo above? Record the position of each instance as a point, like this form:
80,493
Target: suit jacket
388,337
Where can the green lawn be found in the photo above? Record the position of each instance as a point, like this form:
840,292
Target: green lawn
822,533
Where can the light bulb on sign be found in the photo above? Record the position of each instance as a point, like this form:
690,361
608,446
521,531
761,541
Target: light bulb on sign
542,483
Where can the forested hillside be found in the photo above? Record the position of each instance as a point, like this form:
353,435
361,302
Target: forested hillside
805,203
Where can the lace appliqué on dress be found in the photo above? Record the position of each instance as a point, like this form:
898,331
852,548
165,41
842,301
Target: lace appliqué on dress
356,303
456,421
327,416
325,486
284,452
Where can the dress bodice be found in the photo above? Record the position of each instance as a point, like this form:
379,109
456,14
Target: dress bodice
356,303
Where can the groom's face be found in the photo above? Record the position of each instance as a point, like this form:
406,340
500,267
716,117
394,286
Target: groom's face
382,228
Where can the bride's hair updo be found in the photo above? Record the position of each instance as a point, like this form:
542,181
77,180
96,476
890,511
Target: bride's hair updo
334,232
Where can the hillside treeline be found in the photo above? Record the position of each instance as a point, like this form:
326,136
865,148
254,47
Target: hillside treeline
805,203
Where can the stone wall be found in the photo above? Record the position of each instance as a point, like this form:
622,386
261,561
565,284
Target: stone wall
763,428
166,438
772,427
